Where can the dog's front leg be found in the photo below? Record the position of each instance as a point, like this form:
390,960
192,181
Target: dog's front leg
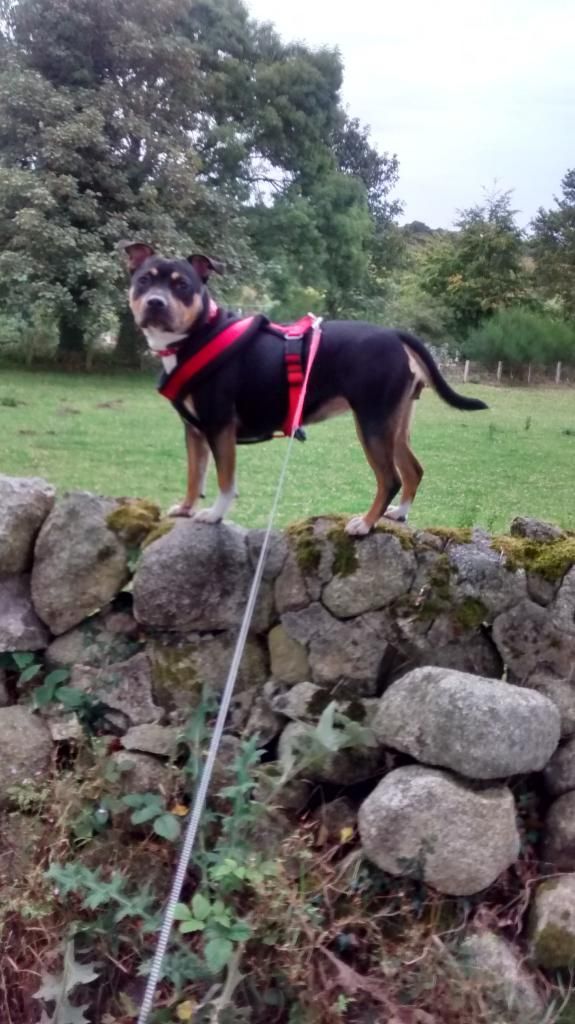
198,453
223,447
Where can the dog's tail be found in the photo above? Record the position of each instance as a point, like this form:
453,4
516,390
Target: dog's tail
434,377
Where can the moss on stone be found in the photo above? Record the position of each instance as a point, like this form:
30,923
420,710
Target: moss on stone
345,560
175,668
555,947
307,548
440,578
430,608
470,613
459,535
403,534
550,559
133,520
438,598
160,530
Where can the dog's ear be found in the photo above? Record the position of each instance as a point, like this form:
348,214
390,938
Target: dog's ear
205,265
136,253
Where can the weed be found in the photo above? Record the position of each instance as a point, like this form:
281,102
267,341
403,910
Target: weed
151,807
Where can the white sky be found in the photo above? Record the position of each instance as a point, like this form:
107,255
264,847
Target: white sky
465,93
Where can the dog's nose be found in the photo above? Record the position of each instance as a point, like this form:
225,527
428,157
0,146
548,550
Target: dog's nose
156,303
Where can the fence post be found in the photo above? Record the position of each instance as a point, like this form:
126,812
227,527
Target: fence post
499,371
558,374
466,371
529,374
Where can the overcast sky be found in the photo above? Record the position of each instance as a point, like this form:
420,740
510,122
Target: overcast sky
464,93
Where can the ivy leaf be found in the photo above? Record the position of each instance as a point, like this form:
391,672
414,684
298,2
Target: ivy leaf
218,953
192,925
44,694
23,658
59,675
200,906
135,799
168,827
29,673
241,931
70,697
182,912
144,814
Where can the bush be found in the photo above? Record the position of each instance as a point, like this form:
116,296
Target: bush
27,338
519,336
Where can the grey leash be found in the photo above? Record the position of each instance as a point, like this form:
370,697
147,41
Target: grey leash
199,802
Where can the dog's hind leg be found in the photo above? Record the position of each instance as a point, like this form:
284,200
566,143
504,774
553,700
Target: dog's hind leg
378,445
408,467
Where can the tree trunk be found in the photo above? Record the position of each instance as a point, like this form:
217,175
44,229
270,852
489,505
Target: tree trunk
72,345
130,344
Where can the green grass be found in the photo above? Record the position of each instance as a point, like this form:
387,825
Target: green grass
115,435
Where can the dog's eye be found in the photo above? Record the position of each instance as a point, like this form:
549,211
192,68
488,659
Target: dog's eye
144,281
181,287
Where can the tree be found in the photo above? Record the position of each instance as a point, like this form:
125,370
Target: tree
479,269
331,235
181,122
553,246
128,118
378,172
94,134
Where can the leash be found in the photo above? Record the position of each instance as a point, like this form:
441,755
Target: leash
206,776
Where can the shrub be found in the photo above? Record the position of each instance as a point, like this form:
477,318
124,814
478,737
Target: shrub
519,336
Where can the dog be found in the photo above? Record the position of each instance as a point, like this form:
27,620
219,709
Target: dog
375,373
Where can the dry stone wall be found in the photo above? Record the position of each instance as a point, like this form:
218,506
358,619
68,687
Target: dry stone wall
451,652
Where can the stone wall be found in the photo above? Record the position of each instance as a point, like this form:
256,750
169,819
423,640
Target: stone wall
452,651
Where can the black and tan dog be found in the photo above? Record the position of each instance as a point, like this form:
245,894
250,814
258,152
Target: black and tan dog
373,372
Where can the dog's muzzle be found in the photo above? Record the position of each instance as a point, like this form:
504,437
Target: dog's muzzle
156,312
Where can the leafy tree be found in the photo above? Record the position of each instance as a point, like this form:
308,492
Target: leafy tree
553,246
378,172
94,134
332,232
129,118
480,269
182,122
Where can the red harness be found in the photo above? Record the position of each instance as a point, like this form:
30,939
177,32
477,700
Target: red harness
297,377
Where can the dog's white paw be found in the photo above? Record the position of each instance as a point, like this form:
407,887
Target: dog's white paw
396,513
208,515
181,511
357,527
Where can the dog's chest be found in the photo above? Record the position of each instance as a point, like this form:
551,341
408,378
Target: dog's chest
169,363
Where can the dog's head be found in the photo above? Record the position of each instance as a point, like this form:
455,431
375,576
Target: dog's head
166,295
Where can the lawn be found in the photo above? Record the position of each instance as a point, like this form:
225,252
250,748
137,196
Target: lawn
116,436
